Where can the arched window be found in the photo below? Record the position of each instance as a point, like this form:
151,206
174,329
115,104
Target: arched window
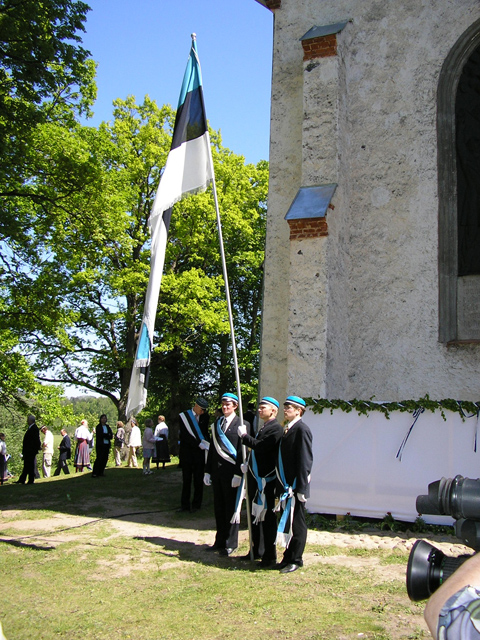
458,128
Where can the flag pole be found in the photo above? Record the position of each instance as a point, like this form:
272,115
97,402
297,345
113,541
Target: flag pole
234,350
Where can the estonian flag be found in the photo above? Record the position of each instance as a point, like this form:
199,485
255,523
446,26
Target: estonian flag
189,169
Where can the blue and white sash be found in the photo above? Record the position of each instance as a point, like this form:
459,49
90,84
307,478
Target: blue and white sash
287,503
259,503
192,425
223,446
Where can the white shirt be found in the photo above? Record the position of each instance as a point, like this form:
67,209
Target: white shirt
48,442
82,432
135,437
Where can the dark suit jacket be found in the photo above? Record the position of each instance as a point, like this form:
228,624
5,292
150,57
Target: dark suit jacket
100,436
297,456
218,465
31,442
265,445
189,442
65,448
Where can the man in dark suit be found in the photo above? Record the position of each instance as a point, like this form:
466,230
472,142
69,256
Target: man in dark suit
65,448
223,471
294,465
30,447
261,481
194,443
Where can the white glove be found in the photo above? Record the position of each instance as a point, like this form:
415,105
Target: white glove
207,481
244,467
236,481
242,430
301,497
204,445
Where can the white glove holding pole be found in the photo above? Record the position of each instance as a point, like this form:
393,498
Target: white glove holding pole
236,481
244,467
204,445
207,481
242,430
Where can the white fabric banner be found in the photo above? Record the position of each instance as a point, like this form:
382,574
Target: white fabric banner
356,471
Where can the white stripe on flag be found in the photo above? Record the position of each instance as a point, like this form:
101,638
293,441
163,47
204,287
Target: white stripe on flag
188,170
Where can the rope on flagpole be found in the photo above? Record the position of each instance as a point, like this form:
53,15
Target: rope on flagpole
234,350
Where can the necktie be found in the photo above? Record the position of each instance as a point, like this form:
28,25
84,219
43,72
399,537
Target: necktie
224,424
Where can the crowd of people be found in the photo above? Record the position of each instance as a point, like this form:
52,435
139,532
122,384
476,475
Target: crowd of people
270,466
38,447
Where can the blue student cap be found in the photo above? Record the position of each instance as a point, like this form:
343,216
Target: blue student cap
230,396
297,401
269,400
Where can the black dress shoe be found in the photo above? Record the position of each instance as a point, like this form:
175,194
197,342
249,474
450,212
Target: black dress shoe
267,564
226,552
288,568
214,547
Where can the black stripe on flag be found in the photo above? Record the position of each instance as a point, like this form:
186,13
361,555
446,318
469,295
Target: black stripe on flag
190,121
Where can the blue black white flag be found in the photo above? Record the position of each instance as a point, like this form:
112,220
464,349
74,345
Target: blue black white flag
189,169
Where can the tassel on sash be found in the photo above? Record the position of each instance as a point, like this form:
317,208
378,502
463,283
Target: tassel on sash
238,502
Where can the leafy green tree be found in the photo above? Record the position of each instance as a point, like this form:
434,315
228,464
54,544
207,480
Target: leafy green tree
45,75
77,299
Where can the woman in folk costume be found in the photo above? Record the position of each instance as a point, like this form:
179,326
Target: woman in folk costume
82,453
294,466
223,471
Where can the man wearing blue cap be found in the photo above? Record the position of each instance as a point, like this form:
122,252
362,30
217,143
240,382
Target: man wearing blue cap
261,481
194,443
223,471
294,465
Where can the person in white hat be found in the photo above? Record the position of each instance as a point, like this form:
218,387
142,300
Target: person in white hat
261,481
294,466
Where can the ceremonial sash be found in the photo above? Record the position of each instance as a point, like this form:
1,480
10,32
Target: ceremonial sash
223,446
287,503
259,503
191,424
238,502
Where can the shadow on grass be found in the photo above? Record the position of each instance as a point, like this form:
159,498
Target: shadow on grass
122,493
198,553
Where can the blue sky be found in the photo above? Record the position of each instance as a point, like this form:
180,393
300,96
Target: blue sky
142,48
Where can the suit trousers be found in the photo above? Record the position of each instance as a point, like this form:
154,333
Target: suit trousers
193,466
224,498
264,533
29,468
293,554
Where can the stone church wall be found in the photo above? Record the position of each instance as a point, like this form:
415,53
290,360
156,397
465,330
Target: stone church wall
355,313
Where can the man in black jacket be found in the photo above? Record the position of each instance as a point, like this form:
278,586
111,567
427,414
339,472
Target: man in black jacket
103,439
223,471
30,447
261,481
194,443
65,448
294,466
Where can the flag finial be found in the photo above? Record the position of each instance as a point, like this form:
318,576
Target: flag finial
194,36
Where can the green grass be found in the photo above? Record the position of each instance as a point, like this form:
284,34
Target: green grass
111,558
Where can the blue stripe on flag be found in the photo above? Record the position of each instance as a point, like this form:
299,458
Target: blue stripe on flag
143,350
192,79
